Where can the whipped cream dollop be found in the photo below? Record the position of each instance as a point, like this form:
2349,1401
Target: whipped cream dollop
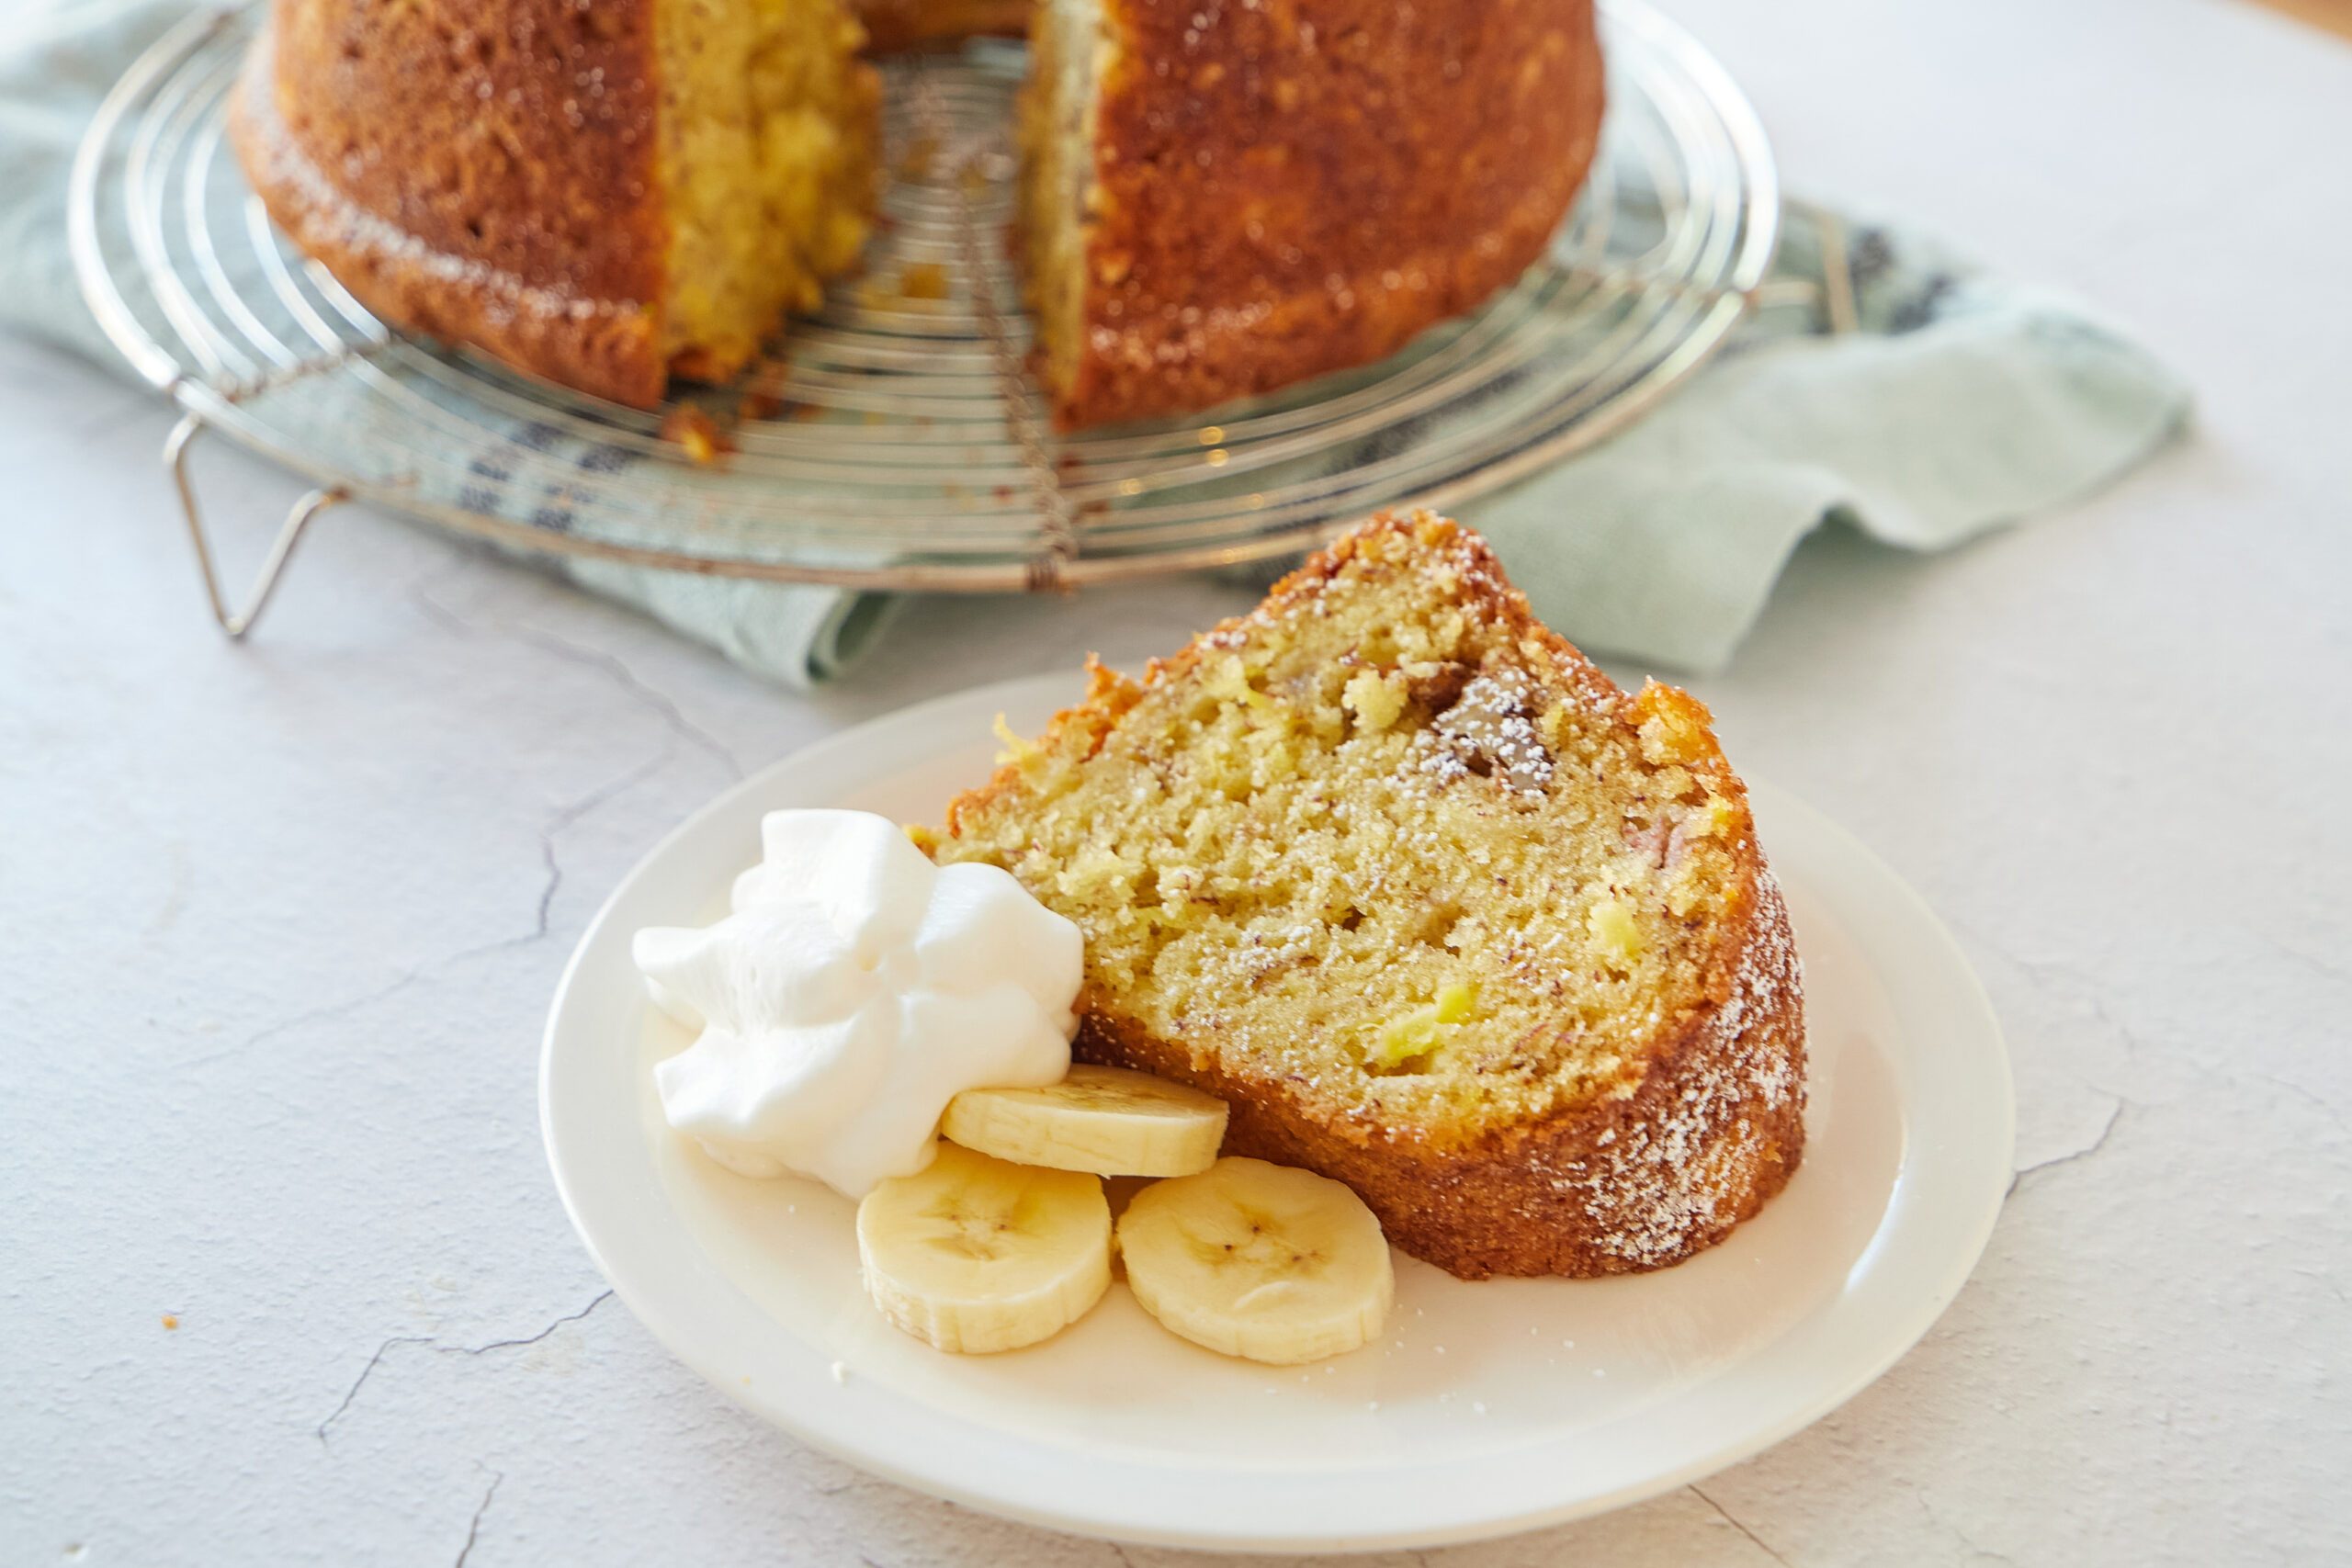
853,991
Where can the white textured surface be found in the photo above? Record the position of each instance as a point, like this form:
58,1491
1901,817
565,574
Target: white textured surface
277,924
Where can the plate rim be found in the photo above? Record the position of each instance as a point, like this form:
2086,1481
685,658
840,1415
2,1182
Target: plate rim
1097,1512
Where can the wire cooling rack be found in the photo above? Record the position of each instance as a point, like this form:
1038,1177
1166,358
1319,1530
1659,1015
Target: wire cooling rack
898,443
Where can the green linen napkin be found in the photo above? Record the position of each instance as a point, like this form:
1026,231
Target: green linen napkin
1949,404
1955,403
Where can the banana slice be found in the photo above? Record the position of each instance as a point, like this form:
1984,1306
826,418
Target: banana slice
1105,1119
1260,1260
974,1255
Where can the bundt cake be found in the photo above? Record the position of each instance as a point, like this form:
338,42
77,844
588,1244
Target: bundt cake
1438,909
598,193
1219,198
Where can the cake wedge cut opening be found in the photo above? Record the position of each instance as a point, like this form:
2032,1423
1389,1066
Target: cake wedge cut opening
768,128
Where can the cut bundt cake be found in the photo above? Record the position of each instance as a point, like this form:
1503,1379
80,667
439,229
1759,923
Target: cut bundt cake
1440,911
1219,198
598,193
1224,198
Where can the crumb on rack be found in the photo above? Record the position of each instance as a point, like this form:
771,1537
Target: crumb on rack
698,434
763,391
915,162
923,280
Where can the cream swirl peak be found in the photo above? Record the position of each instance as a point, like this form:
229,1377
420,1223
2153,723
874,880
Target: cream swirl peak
854,989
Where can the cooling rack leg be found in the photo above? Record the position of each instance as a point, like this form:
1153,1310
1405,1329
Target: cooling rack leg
236,623
1837,272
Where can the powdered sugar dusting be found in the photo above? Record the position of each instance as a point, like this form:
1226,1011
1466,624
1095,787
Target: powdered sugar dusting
1676,1178
1490,729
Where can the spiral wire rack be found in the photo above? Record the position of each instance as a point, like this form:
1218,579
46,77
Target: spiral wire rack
895,440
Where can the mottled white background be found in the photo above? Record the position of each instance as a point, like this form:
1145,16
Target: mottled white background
278,924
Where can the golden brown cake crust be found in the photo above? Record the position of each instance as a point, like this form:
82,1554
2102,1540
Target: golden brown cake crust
490,187
1709,1126
1293,187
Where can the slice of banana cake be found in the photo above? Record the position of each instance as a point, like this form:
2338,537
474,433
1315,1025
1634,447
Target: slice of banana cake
1440,911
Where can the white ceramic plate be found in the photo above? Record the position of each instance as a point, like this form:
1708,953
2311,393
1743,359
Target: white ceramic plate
1489,1408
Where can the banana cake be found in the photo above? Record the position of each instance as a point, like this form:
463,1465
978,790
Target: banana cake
1218,198
1440,911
